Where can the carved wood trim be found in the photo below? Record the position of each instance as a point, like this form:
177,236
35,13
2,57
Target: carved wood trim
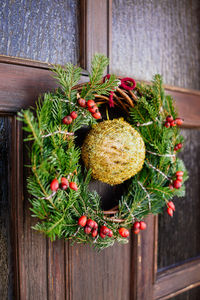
186,277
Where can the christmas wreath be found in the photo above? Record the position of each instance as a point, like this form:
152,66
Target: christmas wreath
139,149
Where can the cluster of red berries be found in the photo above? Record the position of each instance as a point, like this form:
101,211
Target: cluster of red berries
64,184
178,147
92,107
170,122
68,119
170,208
91,226
137,226
177,183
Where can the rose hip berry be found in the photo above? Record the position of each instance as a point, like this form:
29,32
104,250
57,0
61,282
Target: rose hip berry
74,115
82,102
90,103
73,186
82,221
143,225
123,232
97,115
54,185
90,223
67,120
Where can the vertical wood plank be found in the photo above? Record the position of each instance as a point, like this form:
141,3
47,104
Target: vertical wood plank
31,245
100,275
95,29
56,270
143,263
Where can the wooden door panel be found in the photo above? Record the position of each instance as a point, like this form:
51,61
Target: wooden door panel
100,275
183,242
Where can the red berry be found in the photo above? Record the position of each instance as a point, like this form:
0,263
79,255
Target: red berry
90,223
94,233
179,173
97,115
179,145
171,186
87,230
178,121
136,231
82,102
67,120
63,186
90,103
104,230
180,178
95,226
110,234
176,148
64,181
123,232
177,184
74,115
102,235
171,205
73,186
167,124
170,211
169,119
93,109
54,185
82,221
136,225
172,123
143,225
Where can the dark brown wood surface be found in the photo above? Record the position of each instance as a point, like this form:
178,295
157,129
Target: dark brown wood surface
185,276
191,294
183,242
95,29
6,257
143,262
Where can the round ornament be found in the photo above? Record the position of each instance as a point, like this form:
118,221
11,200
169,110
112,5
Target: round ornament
114,151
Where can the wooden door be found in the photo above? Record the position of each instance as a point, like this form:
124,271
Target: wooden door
35,267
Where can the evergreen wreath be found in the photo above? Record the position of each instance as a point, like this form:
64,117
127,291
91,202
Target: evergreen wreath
61,199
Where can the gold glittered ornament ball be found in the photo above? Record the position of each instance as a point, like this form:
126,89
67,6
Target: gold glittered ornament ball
114,151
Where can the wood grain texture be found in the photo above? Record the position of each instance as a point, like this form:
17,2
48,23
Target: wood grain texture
95,30
150,37
56,270
46,31
6,265
184,276
192,294
188,106
100,275
20,86
179,237
142,269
